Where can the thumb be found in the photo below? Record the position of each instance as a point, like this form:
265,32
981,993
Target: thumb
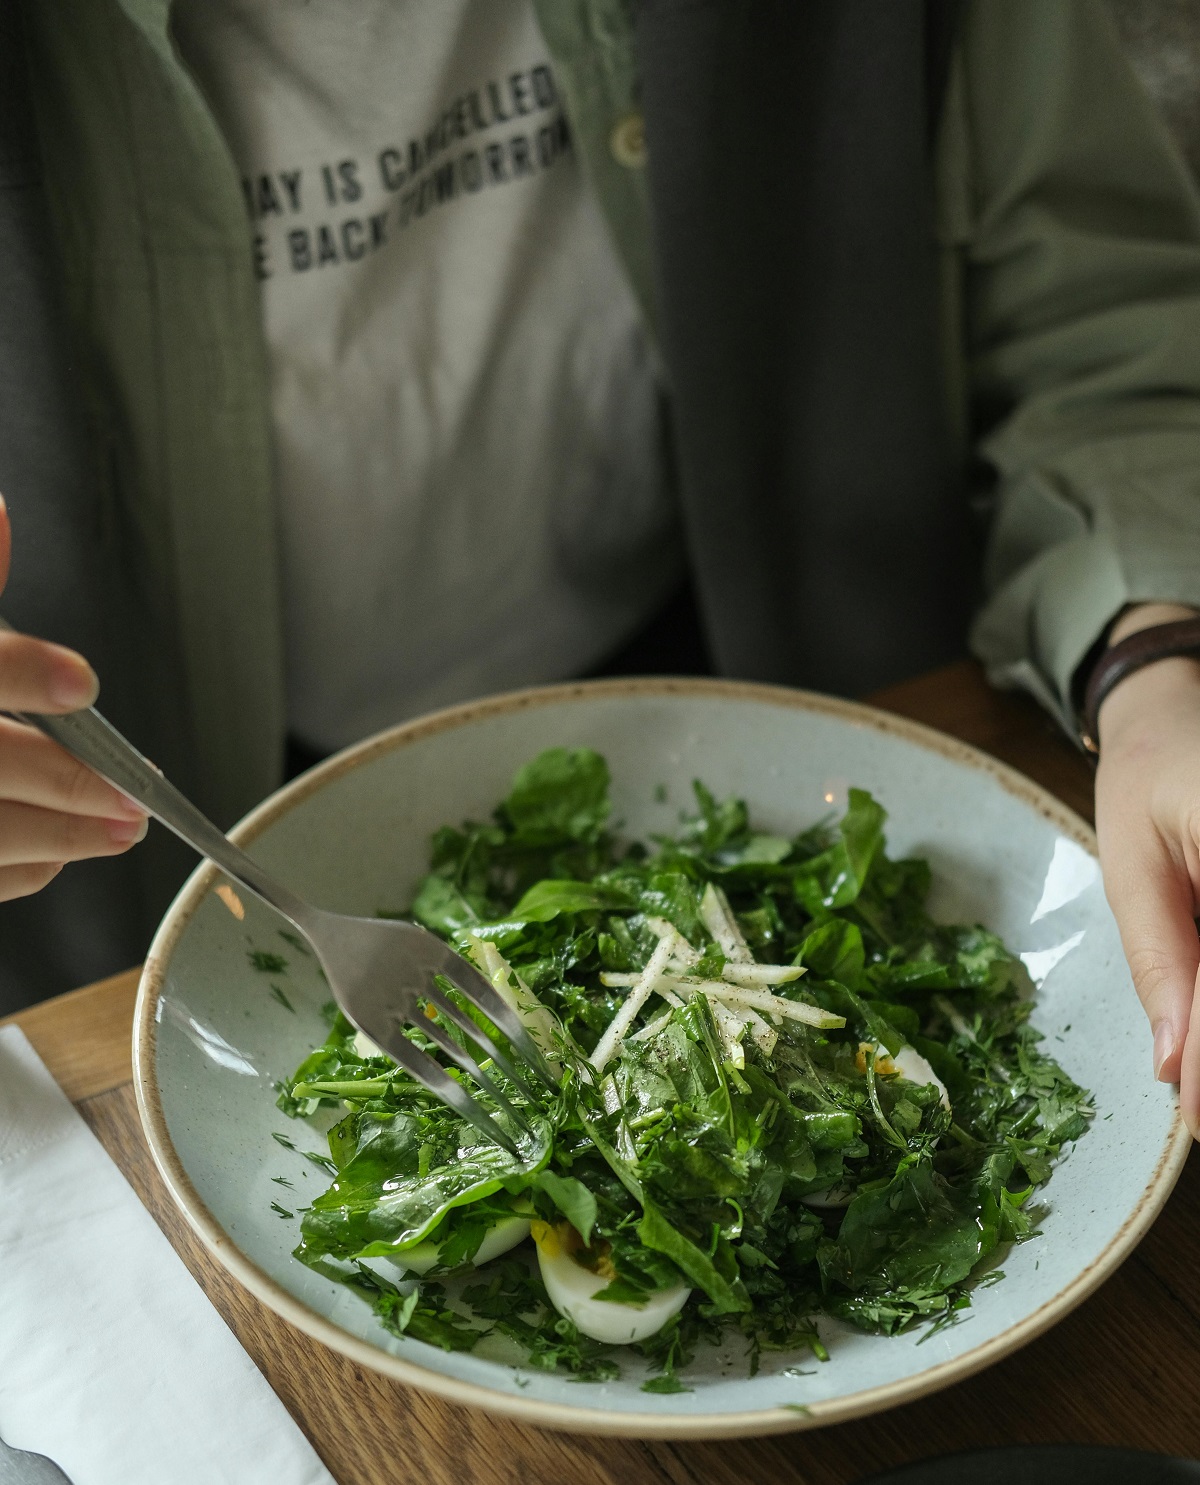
5,543
1152,900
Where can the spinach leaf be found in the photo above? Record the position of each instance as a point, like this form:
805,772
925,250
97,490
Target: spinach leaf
724,1289
833,951
835,878
547,898
561,796
406,1173
442,908
573,1200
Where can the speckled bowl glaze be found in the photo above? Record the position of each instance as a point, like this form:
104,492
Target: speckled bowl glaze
212,1036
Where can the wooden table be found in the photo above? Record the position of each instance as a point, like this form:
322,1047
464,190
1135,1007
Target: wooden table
1123,1369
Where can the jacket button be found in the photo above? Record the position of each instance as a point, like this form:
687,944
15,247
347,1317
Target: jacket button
628,141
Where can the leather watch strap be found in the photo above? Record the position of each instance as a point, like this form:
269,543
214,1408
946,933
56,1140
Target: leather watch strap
1157,642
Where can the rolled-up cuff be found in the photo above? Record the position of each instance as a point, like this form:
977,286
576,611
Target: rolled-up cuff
1036,630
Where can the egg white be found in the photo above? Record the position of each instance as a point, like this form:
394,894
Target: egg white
365,1047
572,1290
907,1062
499,1238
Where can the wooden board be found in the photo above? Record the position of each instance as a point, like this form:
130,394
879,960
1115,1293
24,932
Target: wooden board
85,1038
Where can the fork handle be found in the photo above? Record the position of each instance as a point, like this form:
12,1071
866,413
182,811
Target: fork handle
94,741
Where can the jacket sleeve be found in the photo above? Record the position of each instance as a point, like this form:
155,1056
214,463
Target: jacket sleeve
1075,228
93,919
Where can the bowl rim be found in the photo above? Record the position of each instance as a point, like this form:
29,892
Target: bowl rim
563,1416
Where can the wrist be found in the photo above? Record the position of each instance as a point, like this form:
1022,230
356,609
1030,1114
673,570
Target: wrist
1146,616
1141,700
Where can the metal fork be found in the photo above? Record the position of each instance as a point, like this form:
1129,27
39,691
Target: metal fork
380,970
23,1467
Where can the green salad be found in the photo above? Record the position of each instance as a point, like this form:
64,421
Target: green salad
786,1093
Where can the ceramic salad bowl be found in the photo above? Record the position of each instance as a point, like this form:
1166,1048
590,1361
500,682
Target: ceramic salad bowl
214,1031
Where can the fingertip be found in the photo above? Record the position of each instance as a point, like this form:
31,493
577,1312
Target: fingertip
127,809
73,684
1168,1052
1152,902
127,832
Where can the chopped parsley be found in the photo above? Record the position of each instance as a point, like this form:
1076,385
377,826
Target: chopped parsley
266,962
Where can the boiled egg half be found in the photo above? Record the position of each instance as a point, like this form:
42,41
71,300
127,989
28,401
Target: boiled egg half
499,1238
907,1062
575,1292
365,1047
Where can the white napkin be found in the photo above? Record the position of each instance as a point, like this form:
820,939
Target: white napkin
112,1361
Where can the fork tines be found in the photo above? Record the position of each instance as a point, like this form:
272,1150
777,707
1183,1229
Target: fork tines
475,1032
432,1075
461,975
480,993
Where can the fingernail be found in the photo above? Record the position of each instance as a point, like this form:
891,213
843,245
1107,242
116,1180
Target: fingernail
125,832
1164,1045
73,683
126,809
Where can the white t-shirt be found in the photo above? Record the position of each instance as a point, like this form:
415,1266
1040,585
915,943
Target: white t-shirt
466,412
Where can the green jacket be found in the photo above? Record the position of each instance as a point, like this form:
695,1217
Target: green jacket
1068,233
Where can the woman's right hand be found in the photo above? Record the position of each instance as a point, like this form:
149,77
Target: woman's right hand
52,809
